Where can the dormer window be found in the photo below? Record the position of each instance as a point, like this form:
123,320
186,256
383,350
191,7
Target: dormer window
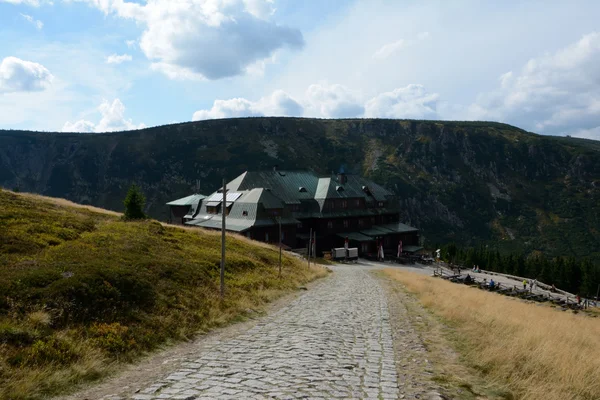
245,213
339,188
366,190
302,189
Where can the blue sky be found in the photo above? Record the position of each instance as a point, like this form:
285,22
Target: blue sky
103,65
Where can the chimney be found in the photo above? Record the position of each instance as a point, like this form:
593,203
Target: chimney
341,178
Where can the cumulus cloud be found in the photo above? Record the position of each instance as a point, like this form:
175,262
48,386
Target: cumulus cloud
17,75
209,38
330,101
118,59
333,101
112,120
278,103
556,93
412,101
37,23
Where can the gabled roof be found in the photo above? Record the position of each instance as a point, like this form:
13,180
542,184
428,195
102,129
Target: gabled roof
286,186
251,208
187,201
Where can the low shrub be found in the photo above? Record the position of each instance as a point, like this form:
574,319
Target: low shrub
53,351
113,338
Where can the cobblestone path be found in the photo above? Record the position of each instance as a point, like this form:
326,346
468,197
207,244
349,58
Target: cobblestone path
333,342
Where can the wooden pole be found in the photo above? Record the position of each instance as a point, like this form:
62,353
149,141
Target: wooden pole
223,217
309,247
315,248
280,247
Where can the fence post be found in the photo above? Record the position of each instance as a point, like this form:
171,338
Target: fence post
223,216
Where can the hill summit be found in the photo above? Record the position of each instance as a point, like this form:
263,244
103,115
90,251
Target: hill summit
468,182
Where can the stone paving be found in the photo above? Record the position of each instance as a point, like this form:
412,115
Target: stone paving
333,342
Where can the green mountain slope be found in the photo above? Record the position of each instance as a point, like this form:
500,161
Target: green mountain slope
468,182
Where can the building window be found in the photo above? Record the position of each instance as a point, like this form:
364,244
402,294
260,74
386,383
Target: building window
380,204
245,213
344,204
266,236
345,223
329,224
212,210
357,202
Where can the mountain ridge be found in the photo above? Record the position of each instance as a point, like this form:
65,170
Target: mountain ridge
469,182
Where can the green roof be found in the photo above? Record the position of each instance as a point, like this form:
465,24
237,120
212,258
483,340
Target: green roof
399,227
356,236
187,201
287,185
411,249
376,231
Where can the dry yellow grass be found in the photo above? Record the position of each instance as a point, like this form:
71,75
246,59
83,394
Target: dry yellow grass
66,203
537,352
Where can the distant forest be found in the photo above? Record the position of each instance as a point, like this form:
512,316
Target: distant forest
570,274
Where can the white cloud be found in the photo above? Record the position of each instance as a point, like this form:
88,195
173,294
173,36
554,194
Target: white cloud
389,49
118,59
79,126
37,23
113,119
17,75
556,93
33,3
209,38
278,103
132,44
332,101
176,73
411,101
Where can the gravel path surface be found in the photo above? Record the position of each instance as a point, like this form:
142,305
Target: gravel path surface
335,341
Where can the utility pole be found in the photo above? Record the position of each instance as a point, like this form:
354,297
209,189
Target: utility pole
223,216
309,247
315,248
279,246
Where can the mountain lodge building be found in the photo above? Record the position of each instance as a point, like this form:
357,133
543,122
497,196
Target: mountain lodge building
335,208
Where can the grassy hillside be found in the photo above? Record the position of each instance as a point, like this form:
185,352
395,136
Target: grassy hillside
467,182
81,289
536,353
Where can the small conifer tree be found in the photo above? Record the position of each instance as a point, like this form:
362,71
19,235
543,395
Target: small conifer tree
134,203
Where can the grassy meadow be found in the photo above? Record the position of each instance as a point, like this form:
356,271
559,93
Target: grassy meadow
80,289
537,352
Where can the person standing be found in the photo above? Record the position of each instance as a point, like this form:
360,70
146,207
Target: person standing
346,248
524,284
